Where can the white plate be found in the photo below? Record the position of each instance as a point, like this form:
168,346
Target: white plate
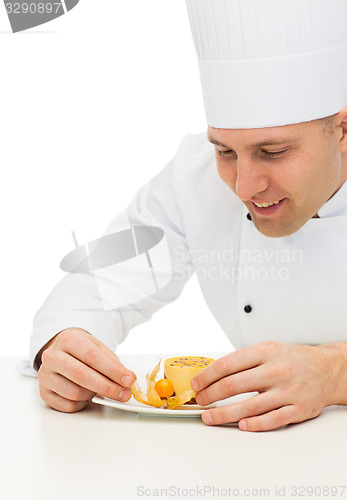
136,407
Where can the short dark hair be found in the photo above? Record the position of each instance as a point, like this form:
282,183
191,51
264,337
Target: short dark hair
327,125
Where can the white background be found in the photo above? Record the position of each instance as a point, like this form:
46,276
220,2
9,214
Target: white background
93,105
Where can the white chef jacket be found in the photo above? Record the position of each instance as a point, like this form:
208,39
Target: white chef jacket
288,289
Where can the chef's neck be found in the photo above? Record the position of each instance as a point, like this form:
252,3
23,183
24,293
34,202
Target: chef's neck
343,179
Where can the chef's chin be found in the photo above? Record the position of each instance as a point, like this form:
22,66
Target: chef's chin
277,228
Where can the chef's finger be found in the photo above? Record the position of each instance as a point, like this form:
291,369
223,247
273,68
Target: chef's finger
255,379
256,405
62,404
85,376
272,420
95,354
55,382
99,343
237,361
68,389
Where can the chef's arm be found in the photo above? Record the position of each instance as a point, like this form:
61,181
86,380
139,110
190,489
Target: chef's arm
76,300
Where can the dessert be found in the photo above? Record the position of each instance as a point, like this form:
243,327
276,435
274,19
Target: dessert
182,370
179,371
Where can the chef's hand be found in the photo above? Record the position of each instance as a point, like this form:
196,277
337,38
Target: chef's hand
75,366
295,383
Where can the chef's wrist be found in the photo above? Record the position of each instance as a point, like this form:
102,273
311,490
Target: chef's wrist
336,359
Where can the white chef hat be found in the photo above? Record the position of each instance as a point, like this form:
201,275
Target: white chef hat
267,63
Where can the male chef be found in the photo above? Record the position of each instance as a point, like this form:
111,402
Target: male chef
257,208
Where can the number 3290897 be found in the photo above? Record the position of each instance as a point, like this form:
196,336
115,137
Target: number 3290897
33,8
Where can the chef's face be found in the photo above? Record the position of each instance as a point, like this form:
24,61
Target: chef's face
294,168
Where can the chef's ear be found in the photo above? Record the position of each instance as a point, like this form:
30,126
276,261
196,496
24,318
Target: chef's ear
341,123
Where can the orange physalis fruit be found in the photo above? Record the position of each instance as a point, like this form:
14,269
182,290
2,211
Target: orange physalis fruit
164,388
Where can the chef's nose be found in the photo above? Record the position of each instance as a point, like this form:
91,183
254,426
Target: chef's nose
250,179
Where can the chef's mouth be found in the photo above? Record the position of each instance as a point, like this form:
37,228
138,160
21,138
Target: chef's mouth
267,208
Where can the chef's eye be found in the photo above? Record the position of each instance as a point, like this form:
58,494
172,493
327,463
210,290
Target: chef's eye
228,152
269,154
274,154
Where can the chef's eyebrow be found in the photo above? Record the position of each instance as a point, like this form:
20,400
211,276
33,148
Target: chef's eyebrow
269,142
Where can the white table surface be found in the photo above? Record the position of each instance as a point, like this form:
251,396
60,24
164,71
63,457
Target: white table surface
107,453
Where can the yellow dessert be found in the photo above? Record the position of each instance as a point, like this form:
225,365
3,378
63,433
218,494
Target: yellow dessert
182,370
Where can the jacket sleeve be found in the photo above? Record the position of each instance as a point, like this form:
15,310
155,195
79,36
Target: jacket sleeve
76,300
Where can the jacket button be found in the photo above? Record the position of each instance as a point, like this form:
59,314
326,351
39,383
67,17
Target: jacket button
249,217
248,309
